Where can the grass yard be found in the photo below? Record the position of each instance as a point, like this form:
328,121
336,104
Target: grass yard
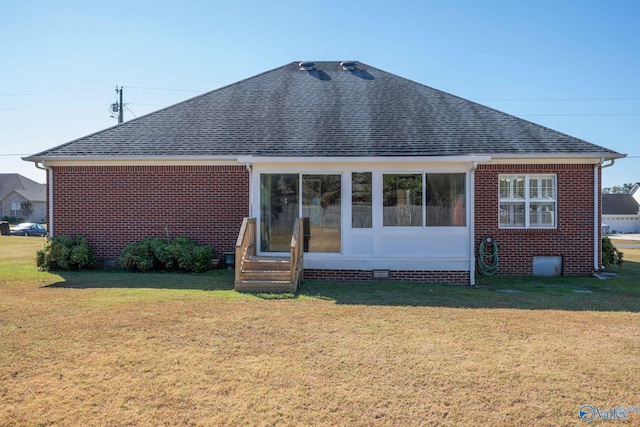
111,348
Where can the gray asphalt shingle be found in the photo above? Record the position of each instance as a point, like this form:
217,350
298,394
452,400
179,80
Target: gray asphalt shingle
619,204
325,112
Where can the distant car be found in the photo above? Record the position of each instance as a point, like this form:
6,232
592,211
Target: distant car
28,229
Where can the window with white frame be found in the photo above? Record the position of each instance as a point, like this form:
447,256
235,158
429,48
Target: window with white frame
16,207
527,201
424,199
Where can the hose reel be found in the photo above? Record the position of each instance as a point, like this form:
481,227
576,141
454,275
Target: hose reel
488,256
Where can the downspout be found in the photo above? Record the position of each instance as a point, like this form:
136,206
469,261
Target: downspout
596,222
50,191
472,226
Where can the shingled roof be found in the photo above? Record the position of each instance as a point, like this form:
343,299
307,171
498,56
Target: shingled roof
325,110
28,189
619,204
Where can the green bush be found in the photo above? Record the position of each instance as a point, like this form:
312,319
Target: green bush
181,254
138,257
196,259
164,259
65,253
610,255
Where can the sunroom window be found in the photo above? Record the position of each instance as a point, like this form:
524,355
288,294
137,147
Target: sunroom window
445,202
419,200
527,201
361,200
402,200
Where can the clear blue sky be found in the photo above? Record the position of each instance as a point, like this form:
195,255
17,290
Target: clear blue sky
573,66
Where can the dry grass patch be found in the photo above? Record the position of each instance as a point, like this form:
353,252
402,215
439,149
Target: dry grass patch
110,348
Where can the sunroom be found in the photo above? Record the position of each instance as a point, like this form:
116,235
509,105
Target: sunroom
408,214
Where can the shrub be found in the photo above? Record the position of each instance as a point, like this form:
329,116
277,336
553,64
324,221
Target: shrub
196,259
65,253
164,259
138,257
610,255
181,254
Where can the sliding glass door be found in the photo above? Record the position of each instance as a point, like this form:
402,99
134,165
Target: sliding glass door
280,205
321,204
279,208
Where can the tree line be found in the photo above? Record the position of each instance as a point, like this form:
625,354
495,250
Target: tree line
618,189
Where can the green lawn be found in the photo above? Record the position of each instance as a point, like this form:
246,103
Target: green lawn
108,347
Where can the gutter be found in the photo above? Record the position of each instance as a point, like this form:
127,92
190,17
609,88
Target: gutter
366,159
558,156
117,158
50,191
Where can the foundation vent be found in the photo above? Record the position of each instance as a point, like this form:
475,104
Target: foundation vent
380,274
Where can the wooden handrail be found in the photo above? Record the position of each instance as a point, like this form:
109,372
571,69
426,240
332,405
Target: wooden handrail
296,260
246,244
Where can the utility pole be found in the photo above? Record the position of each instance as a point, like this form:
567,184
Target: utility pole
120,107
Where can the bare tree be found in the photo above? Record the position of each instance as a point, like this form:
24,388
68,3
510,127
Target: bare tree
27,209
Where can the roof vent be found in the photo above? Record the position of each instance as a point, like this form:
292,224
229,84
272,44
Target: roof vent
348,65
307,66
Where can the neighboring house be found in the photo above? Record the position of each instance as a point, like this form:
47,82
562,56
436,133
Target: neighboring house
19,195
391,174
635,192
620,213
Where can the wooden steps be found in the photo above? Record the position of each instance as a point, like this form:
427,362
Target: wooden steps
267,273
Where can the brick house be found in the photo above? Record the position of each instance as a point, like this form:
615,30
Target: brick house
391,175
22,198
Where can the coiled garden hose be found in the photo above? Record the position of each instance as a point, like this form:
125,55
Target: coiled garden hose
488,257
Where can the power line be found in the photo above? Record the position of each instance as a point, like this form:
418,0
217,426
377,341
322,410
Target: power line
200,90
556,99
147,105
164,88
579,115
50,92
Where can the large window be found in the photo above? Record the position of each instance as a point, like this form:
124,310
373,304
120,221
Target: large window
321,204
418,200
402,200
361,191
446,202
527,201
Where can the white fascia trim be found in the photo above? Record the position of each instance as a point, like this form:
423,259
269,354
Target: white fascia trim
133,160
387,159
592,158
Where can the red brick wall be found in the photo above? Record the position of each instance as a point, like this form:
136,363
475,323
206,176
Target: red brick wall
116,205
573,237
